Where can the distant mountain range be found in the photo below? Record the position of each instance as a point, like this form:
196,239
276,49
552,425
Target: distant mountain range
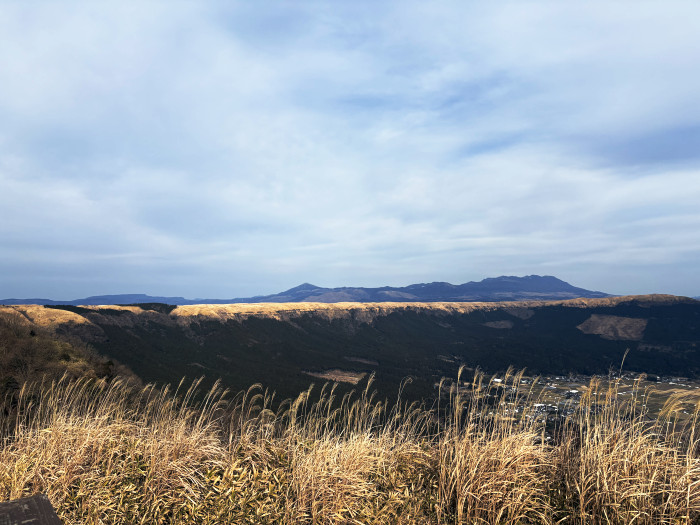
504,288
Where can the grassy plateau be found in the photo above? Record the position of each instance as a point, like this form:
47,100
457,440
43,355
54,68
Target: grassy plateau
108,452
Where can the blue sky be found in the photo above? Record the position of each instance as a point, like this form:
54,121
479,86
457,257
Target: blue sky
226,149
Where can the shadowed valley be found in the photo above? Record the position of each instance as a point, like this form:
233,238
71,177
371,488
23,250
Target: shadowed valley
287,346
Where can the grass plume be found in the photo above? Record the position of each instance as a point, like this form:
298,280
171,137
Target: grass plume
105,452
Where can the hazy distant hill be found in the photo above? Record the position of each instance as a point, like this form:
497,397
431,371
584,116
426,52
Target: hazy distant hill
96,300
287,346
505,288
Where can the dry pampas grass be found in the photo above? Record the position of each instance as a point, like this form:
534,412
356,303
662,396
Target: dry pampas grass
108,454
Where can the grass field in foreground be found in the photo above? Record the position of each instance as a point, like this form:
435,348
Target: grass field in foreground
106,453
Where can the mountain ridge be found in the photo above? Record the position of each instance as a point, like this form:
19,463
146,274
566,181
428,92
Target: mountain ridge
283,345
492,289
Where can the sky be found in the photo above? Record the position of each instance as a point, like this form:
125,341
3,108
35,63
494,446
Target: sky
227,149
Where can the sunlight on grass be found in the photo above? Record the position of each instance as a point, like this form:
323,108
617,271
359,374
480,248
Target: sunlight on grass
107,453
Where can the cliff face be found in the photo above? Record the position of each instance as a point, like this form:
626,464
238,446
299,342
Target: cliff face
54,315
369,311
287,345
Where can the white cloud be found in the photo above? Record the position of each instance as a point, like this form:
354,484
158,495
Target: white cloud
229,149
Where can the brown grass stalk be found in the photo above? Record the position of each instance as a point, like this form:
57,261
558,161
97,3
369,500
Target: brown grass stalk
107,453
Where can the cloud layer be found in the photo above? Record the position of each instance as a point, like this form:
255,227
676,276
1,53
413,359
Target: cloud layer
222,149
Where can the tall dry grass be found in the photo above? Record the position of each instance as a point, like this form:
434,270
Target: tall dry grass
492,464
617,466
105,453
